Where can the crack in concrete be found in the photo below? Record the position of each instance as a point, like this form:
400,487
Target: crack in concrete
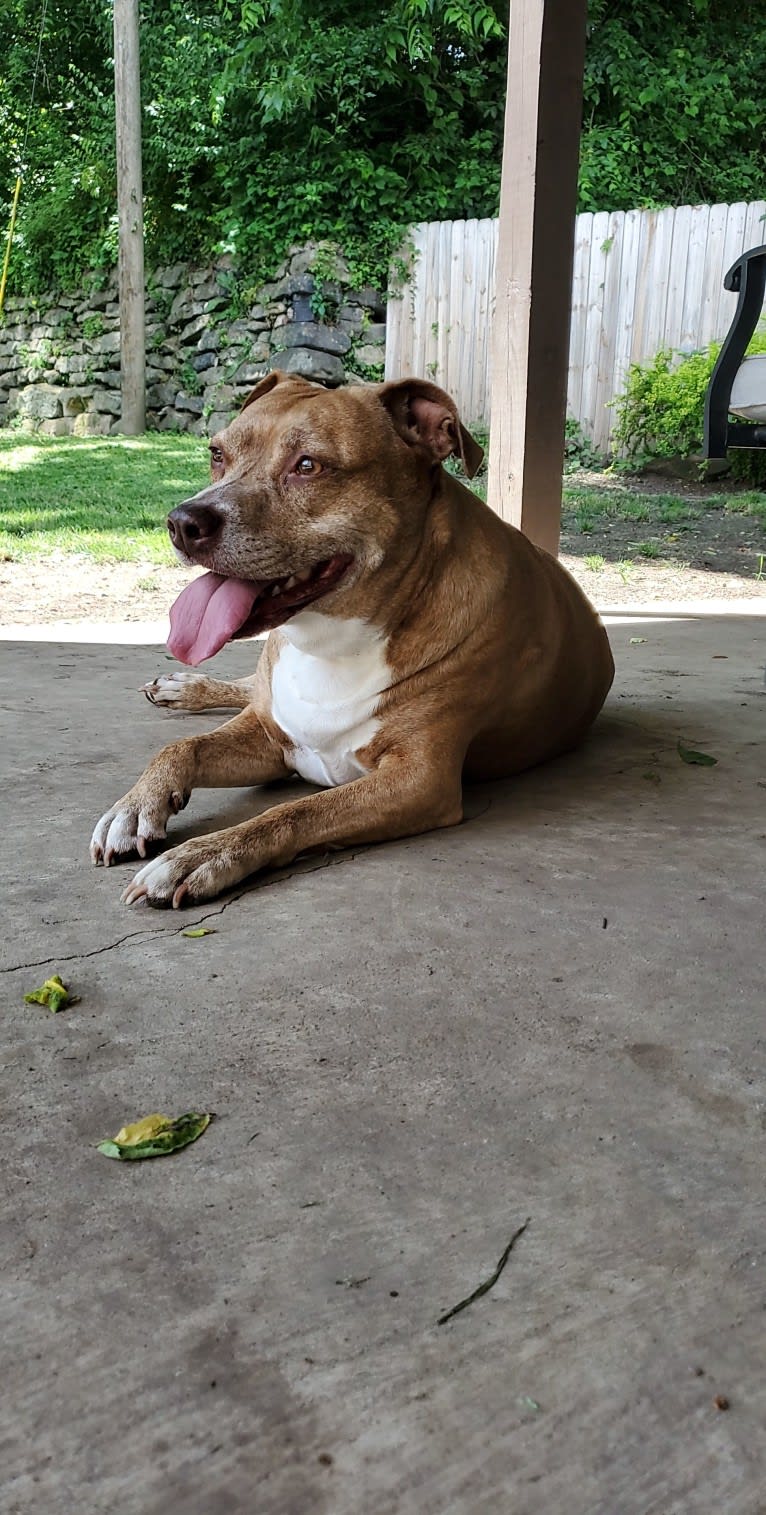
147,932
75,957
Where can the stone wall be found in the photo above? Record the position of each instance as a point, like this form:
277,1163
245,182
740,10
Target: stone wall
206,347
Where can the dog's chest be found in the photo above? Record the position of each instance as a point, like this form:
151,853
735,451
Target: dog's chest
325,686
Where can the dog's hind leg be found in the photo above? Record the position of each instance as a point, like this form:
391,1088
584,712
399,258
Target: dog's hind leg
182,690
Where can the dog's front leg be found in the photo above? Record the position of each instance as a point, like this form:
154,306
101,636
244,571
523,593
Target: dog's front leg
240,753
184,690
401,797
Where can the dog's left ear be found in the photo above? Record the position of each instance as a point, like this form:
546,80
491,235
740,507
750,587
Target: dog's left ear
427,418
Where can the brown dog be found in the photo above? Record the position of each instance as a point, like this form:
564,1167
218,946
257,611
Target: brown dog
420,637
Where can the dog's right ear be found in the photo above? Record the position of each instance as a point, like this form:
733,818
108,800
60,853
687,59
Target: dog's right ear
263,387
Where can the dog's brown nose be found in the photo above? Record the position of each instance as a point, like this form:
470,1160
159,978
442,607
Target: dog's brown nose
193,527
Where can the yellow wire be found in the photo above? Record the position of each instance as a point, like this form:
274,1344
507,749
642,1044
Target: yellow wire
22,163
9,244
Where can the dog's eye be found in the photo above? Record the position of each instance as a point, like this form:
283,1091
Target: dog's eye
306,467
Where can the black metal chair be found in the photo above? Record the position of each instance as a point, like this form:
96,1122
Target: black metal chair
748,277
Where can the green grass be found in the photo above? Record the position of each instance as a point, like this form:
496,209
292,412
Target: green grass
584,520
752,503
108,497
589,503
105,497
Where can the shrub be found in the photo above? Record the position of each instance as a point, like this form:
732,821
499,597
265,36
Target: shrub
661,413
579,451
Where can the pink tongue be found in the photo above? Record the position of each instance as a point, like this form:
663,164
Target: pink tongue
207,614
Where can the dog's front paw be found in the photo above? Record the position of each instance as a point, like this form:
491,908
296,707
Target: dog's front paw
181,689
137,821
196,870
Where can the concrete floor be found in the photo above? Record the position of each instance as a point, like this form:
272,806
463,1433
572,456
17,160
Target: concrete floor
554,1011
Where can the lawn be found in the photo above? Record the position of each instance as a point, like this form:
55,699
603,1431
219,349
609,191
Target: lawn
106,497
587,504
627,522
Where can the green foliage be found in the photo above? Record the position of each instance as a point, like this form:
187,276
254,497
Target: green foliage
579,451
189,379
365,120
36,359
372,373
750,468
92,326
268,123
674,112
661,413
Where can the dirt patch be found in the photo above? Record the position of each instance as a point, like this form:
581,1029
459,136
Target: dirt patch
713,555
705,553
72,588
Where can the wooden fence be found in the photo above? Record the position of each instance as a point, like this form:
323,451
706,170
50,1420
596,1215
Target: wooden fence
642,280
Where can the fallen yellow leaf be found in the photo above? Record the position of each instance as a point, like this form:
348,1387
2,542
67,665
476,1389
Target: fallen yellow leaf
142,1130
155,1136
53,994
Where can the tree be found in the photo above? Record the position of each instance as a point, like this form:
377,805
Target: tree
675,113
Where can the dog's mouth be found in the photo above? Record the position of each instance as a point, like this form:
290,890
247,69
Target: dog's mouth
213,610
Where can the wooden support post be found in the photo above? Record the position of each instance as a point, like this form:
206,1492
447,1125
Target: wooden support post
538,201
127,97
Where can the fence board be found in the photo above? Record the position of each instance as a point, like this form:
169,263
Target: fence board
607,352
677,275
589,400
631,246
579,319
712,278
641,280
699,227
733,245
657,288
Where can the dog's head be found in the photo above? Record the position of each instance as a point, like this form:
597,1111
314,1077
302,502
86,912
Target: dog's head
311,491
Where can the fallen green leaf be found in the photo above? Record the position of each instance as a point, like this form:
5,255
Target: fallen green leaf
199,931
155,1136
528,1402
702,759
53,994
636,641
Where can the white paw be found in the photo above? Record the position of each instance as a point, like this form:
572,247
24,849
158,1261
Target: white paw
132,825
123,830
172,688
196,870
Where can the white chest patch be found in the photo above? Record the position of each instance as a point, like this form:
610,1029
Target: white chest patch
325,685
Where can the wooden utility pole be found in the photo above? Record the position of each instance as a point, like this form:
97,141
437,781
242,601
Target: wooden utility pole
130,206
538,201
